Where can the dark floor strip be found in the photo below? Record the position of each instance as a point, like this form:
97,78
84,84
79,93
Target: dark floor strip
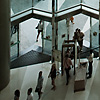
32,57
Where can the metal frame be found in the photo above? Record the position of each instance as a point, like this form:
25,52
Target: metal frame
26,14
64,46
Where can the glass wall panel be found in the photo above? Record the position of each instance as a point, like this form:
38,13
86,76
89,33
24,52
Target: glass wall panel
13,52
92,3
62,33
45,5
20,5
13,49
63,4
47,47
95,32
47,37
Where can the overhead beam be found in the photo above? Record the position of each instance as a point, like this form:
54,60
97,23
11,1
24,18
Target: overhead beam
91,14
43,17
18,19
68,15
27,15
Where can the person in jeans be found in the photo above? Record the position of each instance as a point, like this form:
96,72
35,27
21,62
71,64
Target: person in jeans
53,76
67,64
40,84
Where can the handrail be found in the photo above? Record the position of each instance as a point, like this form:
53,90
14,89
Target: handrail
46,39
89,50
88,6
15,43
67,8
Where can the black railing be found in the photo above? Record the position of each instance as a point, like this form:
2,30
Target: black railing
90,49
87,52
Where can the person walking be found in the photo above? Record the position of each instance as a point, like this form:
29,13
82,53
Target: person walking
39,84
80,39
40,29
67,64
17,95
53,76
29,94
76,34
90,59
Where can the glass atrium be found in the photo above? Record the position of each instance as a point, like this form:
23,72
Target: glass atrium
25,15
86,11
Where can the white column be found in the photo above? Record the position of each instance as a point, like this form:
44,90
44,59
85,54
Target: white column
75,56
67,28
90,32
4,43
75,52
53,28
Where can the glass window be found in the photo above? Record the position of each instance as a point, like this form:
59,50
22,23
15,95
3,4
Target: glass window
63,4
13,43
62,33
95,32
20,5
47,37
45,5
92,3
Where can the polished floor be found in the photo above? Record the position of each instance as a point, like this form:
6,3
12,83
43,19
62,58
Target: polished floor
26,77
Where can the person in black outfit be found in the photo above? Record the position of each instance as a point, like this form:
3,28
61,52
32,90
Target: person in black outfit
53,76
17,94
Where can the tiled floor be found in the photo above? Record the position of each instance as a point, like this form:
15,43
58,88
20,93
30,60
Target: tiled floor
23,78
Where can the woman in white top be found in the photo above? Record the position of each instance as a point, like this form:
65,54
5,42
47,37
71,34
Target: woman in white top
40,29
29,94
